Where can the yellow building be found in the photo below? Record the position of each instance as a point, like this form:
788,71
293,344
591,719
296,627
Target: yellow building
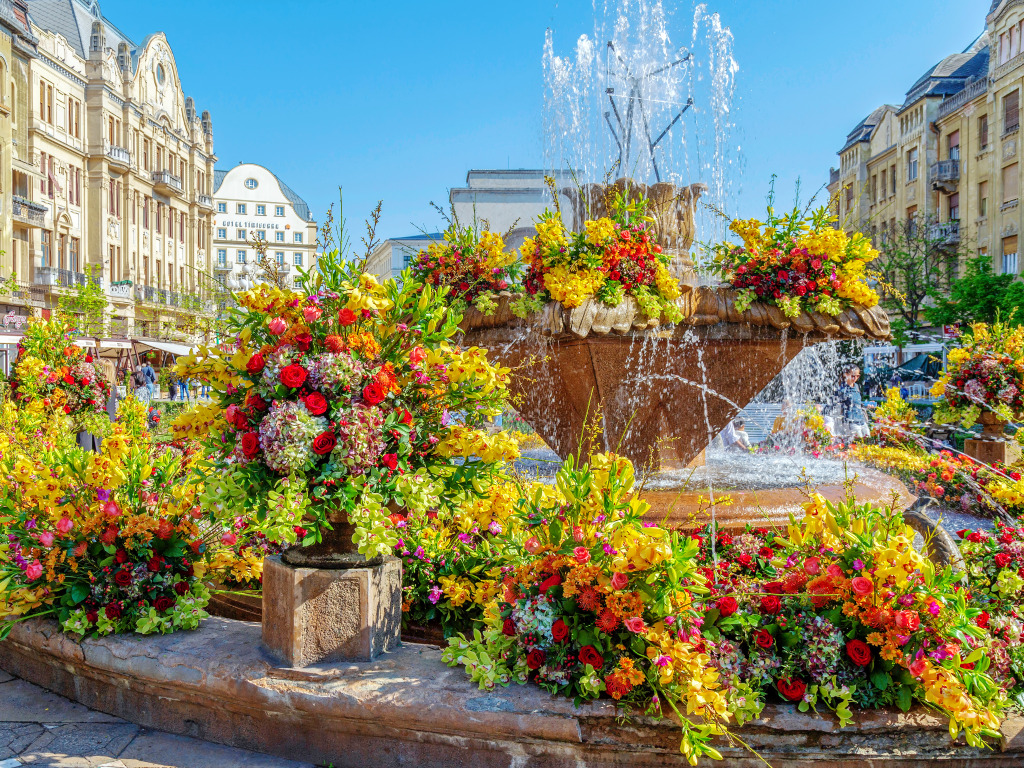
111,173
949,155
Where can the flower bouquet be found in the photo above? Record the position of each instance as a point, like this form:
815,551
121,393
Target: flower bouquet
893,420
611,259
984,378
596,602
329,396
53,375
796,263
476,268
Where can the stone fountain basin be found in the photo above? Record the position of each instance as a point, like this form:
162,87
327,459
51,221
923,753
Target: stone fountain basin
408,709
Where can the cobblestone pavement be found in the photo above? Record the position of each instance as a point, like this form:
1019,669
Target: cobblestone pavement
39,728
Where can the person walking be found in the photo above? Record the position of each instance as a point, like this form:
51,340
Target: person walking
150,376
172,386
185,396
139,385
853,421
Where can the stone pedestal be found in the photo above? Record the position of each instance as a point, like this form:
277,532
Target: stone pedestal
991,451
312,615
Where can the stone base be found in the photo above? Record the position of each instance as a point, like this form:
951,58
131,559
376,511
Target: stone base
991,451
312,616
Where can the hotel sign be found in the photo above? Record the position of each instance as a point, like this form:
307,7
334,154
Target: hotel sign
249,224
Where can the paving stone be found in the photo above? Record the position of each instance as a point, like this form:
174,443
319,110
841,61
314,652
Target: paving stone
4,678
152,749
22,702
80,745
11,763
16,737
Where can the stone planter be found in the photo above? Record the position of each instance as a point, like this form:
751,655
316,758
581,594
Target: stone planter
992,446
992,425
336,550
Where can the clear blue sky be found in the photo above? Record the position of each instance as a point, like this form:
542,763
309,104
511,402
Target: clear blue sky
396,100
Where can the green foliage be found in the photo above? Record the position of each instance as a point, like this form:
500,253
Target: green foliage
980,296
87,304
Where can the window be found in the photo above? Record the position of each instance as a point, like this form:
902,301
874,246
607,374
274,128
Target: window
45,102
298,237
145,213
170,224
1010,186
954,207
1011,112
74,117
251,183
259,234
883,187
73,255
280,257
912,164
145,154
47,256
953,145
297,258
222,207
874,188
279,237
240,234
222,233
261,210
240,257
849,198
983,133
279,210
912,221
1010,255
239,207
222,256
983,199
892,180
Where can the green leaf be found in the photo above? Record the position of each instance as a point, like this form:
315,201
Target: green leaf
904,698
79,592
880,679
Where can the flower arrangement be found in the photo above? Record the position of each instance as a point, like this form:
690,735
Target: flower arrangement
894,420
995,571
474,266
599,603
53,374
853,614
329,395
105,542
797,263
612,258
984,375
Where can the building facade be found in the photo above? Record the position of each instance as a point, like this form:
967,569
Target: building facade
949,155
254,204
395,254
111,172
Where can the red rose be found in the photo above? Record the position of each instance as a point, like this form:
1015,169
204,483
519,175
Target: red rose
771,605
123,578
535,658
551,581
163,604
250,445
792,690
92,617
120,556
236,417
774,587
508,628
559,632
324,443
346,316
1003,559
255,364
390,461
908,621
181,588
293,375
763,638
302,341
589,655
727,606
113,611
982,619
746,560
316,403
619,580
406,417
373,394
255,402
766,552
858,652
155,564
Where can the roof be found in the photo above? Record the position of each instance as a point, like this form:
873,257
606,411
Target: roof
73,19
866,127
430,236
953,73
300,205
13,18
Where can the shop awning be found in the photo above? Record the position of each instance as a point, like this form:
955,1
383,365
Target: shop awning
165,346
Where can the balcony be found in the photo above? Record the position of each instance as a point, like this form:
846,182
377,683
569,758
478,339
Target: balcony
204,201
284,268
28,213
946,233
121,292
944,175
221,266
65,278
167,182
145,293
120,159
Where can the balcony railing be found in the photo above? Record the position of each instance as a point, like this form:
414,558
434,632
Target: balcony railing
222,266
119,155
204,201
59,277
27,212
946,232
957,100
944,171
167,182
121,291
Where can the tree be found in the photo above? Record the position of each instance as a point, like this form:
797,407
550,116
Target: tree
916,259
980,296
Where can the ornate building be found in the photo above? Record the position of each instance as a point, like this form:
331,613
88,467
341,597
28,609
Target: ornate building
949,155
111,172
254,204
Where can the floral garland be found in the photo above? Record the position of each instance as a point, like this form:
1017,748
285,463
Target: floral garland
796,263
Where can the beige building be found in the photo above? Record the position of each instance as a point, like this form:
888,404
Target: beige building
950,154
111,173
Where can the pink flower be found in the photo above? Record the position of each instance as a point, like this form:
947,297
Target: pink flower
64,525
277,326
34,570
110,509
812,566
619,580
228,539
862,586
635,625
582,555
532,545
46,538
311,313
